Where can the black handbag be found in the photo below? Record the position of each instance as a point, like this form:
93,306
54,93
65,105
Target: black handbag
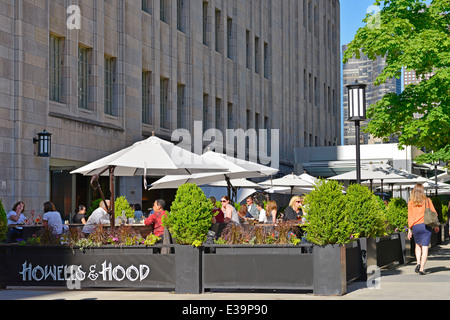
430,217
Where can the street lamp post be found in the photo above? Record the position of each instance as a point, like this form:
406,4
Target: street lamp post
357,113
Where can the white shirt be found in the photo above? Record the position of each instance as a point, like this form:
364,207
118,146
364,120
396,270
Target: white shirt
21,220
99,216
54,221
262,216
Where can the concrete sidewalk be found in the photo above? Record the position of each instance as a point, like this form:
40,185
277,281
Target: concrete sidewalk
399,283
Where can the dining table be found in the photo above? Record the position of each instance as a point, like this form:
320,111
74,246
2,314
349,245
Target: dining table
28,231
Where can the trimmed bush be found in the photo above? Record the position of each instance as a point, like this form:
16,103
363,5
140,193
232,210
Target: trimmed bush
327,221
3,222
365,212
122,205
190,217
397,216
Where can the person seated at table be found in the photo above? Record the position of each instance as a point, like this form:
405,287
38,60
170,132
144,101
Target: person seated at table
294,210
242,213
138,214
262,213
52,219
230,212
99,216
271,212
217,213
252,211
15,217
80,217
155,219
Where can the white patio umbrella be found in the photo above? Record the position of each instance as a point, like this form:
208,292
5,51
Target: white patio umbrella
291,181
153,156
237,183
372,172
237,169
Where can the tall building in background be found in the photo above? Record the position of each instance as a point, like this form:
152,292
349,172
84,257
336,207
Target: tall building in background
365,71
134,67
409,77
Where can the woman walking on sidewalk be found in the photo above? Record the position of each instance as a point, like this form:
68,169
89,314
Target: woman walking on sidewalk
422,233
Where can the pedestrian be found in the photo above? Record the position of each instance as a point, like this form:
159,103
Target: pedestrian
417,228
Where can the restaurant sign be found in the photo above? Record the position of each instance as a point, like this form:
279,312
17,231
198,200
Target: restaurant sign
74,275
85,271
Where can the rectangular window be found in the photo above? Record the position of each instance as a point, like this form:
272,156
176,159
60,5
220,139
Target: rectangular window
55,68
257,67
230,38
83,77
146,6
205,23
218,31
230,116
205,111
316,92
146,97
305,85
180,15
164,11
266,60
249,50
164,105
181,116
110,64
310,88
219,125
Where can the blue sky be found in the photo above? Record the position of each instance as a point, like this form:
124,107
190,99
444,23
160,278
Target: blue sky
352,14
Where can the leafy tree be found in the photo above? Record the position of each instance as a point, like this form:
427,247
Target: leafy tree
416,36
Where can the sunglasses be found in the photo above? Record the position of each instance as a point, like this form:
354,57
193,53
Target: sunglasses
223,200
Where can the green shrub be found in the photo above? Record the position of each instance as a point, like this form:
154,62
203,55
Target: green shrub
122,205
3,222
94,206
190,217
397,216
327,221
365,211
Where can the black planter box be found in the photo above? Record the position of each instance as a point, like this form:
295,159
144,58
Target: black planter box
188,269
104,267
259,267
330,270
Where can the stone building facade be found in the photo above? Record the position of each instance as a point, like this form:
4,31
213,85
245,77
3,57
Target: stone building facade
102,74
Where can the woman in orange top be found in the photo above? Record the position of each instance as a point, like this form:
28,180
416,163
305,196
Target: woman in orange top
421,232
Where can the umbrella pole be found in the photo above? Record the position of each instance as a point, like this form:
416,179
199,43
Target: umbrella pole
227,179
111,189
